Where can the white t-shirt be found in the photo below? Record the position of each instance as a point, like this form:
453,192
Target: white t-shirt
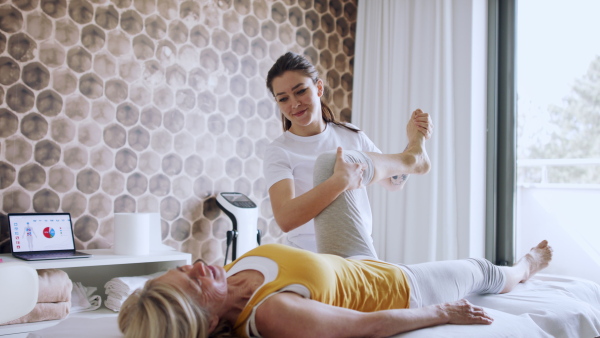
292,156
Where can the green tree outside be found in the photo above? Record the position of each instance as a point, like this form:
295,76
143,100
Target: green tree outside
575,134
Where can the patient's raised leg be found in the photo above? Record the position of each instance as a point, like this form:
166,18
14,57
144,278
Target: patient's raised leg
343,228
413,160
533,262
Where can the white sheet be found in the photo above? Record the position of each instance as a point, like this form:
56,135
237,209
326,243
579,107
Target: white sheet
546,306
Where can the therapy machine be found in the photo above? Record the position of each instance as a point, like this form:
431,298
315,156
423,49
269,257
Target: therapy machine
244,217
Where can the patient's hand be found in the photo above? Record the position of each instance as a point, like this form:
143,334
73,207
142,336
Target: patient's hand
463,312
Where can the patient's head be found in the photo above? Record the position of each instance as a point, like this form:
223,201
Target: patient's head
184,302
162,310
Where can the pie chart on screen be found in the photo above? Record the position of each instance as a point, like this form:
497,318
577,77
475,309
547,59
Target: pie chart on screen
49,232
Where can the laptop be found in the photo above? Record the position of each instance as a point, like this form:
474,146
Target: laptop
41,236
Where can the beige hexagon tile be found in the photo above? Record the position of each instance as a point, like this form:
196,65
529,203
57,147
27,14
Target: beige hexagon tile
146,106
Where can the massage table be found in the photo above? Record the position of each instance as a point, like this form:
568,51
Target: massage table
545,306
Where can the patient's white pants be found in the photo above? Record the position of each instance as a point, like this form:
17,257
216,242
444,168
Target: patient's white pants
447,281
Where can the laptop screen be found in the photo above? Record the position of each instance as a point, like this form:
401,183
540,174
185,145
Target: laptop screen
41,232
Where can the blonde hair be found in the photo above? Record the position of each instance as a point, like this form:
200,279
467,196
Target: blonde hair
160,310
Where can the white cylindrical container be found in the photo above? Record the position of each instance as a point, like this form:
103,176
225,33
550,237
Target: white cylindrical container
132,234
155,231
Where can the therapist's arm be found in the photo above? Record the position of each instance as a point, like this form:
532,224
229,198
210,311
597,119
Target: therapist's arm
292,211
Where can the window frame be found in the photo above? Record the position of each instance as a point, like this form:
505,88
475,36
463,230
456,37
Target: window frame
501,132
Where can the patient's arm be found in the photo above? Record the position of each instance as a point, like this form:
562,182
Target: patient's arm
290,315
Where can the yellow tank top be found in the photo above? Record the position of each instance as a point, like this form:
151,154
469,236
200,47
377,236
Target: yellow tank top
361,285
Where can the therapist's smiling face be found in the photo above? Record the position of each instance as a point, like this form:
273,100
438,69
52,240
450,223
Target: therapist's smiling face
299,99
207,284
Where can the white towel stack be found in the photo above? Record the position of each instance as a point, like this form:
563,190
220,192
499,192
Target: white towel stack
119,288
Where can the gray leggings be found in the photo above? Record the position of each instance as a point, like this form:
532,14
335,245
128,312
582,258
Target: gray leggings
340,230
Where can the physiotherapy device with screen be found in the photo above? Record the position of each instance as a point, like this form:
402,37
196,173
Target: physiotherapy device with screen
244,218
41,236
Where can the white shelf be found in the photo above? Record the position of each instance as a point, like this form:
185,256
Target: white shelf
22,330
95,271
102,257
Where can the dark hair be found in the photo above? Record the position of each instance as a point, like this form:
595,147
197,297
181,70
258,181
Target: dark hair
295,62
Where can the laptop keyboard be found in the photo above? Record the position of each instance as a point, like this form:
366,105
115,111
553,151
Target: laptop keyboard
48,255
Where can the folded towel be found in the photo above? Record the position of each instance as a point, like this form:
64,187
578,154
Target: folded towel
119,288
55,286
44,311
114,303
83,298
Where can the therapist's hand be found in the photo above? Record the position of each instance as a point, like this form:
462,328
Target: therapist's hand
350,174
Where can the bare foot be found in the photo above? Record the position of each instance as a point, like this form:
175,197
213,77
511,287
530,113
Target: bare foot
418,129
416,155
536,259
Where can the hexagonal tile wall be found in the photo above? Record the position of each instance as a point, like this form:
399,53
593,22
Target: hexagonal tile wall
153,106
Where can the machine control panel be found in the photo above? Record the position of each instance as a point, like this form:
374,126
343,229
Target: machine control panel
239,200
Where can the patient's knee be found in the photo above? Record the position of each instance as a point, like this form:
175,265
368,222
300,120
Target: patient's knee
324,167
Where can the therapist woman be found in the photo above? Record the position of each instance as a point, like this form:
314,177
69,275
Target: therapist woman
310,129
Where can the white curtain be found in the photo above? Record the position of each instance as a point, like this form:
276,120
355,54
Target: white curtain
427,54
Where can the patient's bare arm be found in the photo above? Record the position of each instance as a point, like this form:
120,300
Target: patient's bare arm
289,315
463,312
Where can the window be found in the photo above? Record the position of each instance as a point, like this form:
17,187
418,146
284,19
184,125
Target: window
558,132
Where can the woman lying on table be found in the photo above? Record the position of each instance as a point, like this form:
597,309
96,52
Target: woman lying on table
279,291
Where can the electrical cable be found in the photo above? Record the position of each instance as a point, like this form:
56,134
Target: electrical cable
230,235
